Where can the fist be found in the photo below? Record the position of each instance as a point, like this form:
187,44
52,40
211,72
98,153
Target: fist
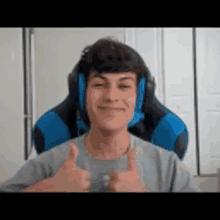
69,177
127,181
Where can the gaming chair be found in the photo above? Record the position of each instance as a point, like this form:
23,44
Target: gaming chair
152,121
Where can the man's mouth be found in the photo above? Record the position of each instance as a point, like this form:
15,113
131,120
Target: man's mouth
111,109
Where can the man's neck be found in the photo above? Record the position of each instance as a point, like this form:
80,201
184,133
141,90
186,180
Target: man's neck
108,143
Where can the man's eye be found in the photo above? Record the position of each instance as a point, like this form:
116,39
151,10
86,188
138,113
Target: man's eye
126,86
98,85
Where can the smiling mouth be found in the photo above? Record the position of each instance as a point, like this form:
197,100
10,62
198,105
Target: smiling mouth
111,109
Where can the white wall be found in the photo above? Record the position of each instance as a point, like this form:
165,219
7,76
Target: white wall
208,59
11,102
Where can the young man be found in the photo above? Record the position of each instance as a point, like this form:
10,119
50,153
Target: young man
107,158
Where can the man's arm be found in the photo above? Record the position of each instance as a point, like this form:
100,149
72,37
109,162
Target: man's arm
29,175
42,186
182,180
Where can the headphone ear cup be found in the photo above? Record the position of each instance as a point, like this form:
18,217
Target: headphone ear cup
73,88
72,82
82,97
81,91
140,94
149,93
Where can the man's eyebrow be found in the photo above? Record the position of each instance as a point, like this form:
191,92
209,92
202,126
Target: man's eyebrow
122,79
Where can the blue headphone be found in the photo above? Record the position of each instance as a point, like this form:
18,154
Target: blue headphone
138,114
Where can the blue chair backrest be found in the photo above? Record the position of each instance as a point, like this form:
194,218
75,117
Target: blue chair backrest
152,121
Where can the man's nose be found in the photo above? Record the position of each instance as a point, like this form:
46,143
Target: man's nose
111,94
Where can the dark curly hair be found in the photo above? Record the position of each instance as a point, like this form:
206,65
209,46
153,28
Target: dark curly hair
109,55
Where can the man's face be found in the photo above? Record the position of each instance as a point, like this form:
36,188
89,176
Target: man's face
107,92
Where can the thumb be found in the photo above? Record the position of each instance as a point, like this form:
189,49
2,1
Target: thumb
131,166
73,151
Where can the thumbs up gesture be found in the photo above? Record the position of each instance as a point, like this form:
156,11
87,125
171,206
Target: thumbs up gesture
127,181
69,177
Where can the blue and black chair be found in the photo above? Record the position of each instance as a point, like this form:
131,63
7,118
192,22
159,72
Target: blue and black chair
152,121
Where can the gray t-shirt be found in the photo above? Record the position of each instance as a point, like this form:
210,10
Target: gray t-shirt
160,170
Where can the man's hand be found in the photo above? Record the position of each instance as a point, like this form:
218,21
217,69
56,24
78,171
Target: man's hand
69,177
127,181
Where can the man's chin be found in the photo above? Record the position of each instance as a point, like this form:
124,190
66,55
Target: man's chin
111,127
